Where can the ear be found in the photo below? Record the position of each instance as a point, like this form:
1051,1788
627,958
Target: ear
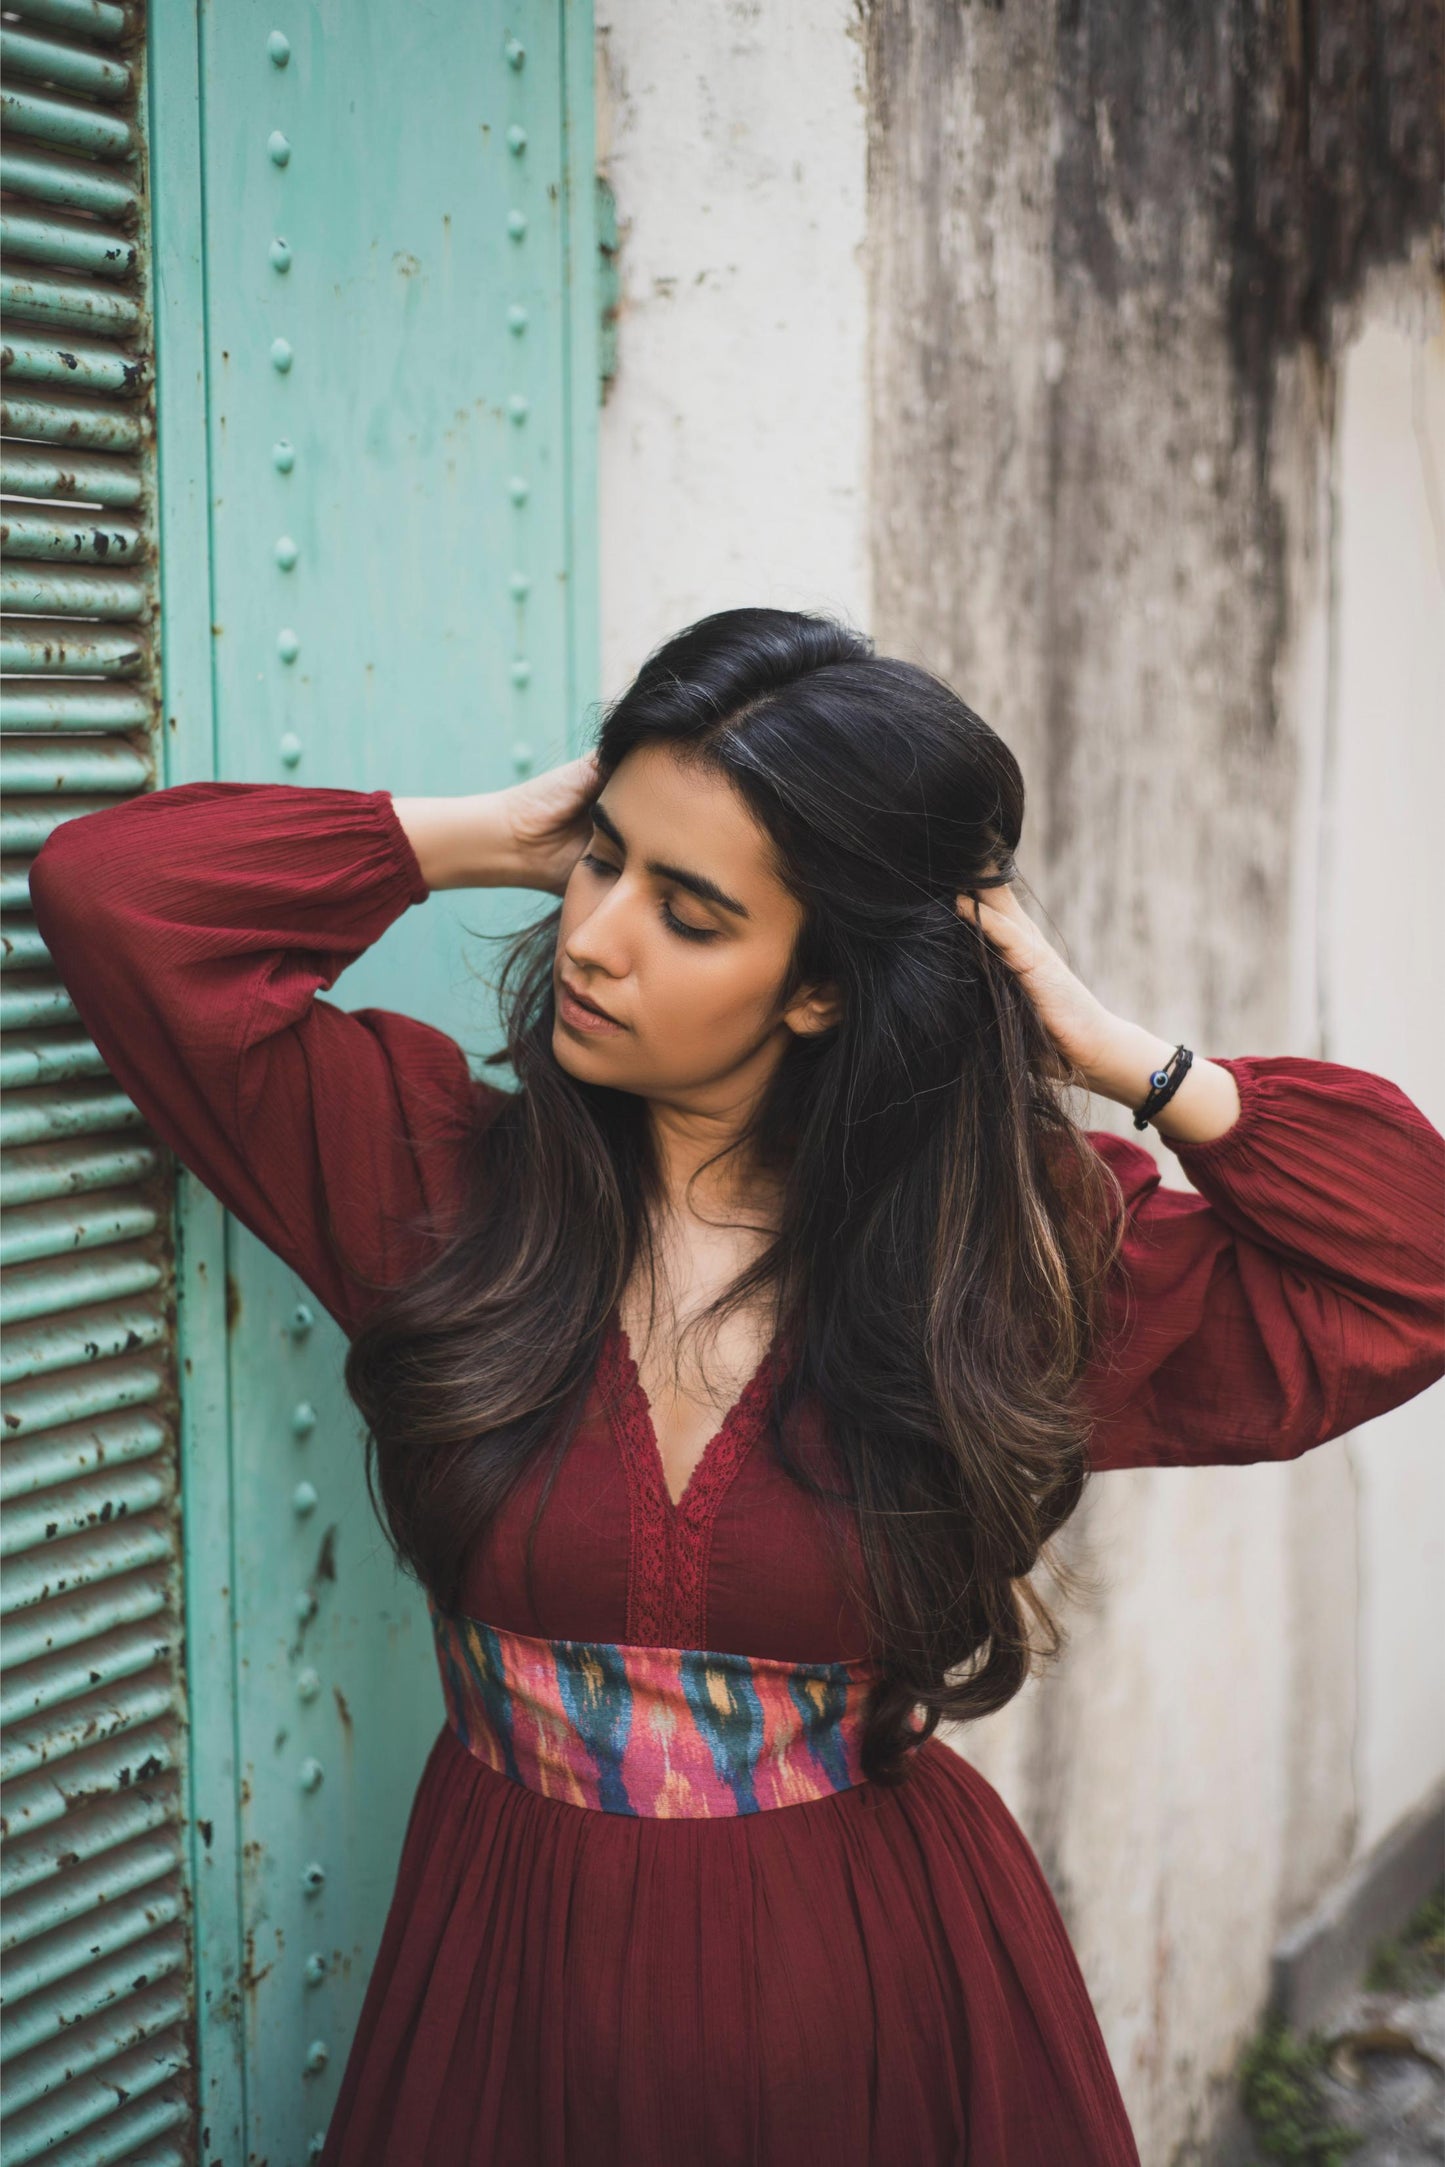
815,1009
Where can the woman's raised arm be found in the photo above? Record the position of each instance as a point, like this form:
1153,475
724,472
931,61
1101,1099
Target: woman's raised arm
1298,1294
194,928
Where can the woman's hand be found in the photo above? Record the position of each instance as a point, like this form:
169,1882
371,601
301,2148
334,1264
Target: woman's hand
549,817
527,836
1115,1057
1075,1019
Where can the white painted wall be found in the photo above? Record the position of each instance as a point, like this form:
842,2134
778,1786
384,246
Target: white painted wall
735,435
1382,921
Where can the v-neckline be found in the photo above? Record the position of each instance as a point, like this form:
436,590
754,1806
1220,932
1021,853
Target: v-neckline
670,1549
717,1446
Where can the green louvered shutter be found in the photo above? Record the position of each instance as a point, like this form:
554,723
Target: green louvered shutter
96,2028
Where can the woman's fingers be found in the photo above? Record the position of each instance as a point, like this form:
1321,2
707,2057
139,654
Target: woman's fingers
1074,1017
1002,917
553,802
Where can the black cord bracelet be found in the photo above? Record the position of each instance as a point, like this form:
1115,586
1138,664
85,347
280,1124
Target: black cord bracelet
1163,1084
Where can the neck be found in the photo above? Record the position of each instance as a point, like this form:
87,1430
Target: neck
684,1141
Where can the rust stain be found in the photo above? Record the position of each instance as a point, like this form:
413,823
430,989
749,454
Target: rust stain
251,1977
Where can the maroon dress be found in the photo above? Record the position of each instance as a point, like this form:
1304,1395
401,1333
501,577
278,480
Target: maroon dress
876,1978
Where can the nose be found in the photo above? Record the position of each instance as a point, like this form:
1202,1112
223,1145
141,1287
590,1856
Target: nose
598,942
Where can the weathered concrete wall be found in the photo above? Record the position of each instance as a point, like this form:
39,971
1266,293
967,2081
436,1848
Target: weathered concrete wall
1075,509
1109,247
1053,404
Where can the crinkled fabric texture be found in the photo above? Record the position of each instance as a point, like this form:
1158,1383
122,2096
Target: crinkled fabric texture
868,1978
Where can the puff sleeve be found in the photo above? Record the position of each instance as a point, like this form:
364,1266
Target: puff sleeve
1297,1295
194,928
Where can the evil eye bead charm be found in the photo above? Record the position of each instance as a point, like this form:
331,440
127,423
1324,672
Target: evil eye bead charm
1159,1078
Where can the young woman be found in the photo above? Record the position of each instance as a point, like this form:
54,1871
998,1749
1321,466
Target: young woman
725,1382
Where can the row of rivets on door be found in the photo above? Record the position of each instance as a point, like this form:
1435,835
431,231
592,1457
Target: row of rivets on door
283,355
518,408
315,1968
304,1497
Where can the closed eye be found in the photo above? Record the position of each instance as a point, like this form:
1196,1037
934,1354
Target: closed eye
688,932
674,924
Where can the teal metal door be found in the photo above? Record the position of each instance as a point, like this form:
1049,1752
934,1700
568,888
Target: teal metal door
376,333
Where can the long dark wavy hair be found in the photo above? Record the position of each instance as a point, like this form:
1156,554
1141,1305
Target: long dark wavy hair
937,1276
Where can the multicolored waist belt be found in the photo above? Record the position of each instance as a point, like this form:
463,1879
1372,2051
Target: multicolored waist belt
669,1733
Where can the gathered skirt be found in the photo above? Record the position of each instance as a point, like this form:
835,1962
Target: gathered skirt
876,1978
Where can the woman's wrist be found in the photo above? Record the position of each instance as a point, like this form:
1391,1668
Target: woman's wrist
1205,1106
462,842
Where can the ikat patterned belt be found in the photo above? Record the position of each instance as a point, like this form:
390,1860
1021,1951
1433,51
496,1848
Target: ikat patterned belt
666,1733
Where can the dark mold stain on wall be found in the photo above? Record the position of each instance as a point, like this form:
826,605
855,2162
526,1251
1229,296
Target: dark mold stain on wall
1337,159
1167,202
1309,131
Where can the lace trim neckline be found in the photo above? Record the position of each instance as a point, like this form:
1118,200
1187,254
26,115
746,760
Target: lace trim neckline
672,1538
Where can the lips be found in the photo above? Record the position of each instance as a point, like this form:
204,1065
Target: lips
592,1007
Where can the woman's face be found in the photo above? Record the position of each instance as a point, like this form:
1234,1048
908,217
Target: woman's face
676,925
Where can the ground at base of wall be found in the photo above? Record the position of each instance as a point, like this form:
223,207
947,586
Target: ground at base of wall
1369,2089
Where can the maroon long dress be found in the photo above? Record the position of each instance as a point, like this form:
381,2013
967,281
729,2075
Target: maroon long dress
878,1978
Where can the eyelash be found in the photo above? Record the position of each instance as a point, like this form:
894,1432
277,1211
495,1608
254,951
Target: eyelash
674,925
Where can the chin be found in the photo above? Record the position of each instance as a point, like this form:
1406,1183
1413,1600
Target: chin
586,1062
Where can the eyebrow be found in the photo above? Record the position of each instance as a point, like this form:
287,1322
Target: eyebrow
696,884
